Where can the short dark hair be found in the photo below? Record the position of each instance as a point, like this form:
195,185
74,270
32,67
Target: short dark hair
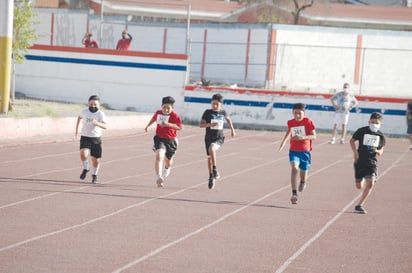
168,100
217,97
94,97
376,115
299,106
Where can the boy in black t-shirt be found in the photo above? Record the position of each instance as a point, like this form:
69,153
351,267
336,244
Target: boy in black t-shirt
213,120
371,142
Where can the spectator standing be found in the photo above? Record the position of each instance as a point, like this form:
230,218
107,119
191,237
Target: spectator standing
89,42
343,102
125,42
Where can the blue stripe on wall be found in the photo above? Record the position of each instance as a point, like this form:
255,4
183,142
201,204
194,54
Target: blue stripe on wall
393,112
106,63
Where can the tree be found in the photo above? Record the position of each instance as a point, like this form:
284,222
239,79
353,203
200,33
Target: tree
299,8
24,35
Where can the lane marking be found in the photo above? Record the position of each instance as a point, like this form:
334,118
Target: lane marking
302,249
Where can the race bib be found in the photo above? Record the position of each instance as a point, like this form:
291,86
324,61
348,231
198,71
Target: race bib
219,125
298,131
162,118
371,140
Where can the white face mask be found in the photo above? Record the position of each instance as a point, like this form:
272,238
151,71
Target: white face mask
346,89
374,127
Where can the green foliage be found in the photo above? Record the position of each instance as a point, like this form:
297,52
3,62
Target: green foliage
24,33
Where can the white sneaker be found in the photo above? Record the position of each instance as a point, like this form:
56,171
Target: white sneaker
294,199
332,141
160,181
166,172
342,141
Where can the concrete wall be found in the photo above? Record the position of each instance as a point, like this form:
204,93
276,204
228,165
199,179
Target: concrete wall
302,58
138,81
251,108
124,80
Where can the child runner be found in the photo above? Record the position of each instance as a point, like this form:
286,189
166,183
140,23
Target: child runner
301,129
94,120
165,140
409,122
212,120
371,142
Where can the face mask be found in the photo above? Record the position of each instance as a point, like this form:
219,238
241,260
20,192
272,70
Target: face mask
374,127
346,89
93,109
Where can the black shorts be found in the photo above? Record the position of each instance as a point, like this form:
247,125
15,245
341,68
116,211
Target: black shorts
209,141
365,171
94,144
170,145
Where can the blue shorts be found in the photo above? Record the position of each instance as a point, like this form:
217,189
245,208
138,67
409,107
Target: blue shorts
302,158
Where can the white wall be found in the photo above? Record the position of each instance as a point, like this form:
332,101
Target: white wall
311,59
124,80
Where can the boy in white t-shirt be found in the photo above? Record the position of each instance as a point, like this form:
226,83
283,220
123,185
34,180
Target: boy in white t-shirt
94,120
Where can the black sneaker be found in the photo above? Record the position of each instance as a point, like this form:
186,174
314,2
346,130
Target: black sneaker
359,209
95,180
216,174
83,174
211,184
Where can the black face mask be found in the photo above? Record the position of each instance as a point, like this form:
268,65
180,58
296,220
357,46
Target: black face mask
93,109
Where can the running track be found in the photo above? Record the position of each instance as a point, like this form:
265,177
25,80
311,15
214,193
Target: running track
53,222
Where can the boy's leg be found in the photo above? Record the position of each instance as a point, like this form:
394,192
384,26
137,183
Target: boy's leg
369,183
84,154
213,159
334,132
160,155
303,179
294,181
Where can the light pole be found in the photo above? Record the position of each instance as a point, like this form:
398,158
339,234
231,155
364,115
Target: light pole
6,34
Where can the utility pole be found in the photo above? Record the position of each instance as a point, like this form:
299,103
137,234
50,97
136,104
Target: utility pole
6,34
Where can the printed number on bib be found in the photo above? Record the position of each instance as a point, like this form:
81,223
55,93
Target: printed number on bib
371,140
219,125
298,131
161,119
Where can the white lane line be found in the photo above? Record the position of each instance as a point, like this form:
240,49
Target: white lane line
292,258
217,221
124,209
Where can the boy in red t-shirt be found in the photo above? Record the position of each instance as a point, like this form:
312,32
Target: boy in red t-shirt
301,131
165,140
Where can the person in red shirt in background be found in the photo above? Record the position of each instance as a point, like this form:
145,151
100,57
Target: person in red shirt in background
165,140
125,42
301,131
89,42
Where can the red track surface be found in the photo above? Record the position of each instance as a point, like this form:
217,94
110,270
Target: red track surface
53,222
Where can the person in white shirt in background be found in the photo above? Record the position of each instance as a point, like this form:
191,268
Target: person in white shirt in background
343,102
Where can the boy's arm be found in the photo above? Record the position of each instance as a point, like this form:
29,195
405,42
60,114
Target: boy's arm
354,150
232,129
379,152
285,138
79,118
152,120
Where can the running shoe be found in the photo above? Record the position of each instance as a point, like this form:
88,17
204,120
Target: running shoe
294,199
83,174
95,179
160,181
211,184
342,141
216,174
166,172
359,209
302,186
332,141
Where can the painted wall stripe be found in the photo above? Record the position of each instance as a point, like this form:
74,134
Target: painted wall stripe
106,63
314,107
